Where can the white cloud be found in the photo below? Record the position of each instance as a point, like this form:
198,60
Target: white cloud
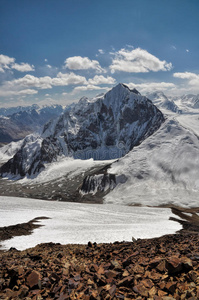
49,66
89,87
45,60
27,92
137,61
82,63
63,79
23,67
28,82
185,75
152,86
47,82
101,51
100,79
5,61
187,50
32,81
193,78
14,92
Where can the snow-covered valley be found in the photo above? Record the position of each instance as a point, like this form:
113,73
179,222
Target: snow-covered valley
79,223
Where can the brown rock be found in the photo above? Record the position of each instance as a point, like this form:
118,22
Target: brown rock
112,290
174,265
141,290
161,293
126,281
23,292
161,267
148,283
100,270
90,245
138,269
193,276
125,273
153,263
111,274
186,263
152,292
116,264
34,280
171,286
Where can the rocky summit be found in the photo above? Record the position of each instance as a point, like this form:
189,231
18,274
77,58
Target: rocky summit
106,127
160,268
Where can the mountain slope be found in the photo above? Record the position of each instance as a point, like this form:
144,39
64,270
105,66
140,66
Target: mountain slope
164,169
105,127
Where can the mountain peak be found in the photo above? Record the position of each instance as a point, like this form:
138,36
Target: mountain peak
102,128
122,85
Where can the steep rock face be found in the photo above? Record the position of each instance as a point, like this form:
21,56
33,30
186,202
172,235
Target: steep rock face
105,127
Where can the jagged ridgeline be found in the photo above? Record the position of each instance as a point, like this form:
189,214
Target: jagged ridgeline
105,127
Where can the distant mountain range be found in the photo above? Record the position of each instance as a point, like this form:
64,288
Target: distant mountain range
163,102
17,122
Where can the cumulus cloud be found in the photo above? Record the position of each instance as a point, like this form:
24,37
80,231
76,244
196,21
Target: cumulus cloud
137,61
47,82
23,67
89,87
100,79
27,84
4,92
68,79
193,78
7,62
152,86
82,63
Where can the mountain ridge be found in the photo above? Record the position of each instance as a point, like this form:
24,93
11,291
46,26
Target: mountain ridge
106,128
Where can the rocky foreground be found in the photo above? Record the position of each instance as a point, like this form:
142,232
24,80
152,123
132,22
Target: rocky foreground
160,268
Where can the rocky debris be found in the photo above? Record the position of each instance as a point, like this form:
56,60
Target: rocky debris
189,219
161,268
63,188
7,232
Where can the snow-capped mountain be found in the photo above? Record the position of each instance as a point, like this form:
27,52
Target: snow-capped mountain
187,103
164,169
9,150
25,120
7,111
105,127
163,102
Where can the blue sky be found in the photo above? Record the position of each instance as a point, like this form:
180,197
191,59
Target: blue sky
60,50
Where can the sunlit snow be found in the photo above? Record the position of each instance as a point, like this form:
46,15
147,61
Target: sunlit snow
79,223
